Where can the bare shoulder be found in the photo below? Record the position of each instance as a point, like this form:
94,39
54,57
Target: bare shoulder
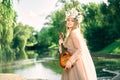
75,32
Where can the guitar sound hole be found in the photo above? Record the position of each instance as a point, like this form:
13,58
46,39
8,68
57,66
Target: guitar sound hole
64,54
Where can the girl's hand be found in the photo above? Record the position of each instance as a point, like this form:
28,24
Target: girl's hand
61,41
68,65
60,38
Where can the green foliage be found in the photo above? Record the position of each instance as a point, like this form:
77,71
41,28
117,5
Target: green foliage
21,34
102,24
43,41
32,39
112,48
44,38
95,37
31,54
58,22
7,16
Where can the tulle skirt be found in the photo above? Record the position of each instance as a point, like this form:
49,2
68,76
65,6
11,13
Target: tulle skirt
83,69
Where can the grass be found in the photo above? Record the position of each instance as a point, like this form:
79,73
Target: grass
112,48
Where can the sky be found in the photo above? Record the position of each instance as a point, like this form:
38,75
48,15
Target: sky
34,12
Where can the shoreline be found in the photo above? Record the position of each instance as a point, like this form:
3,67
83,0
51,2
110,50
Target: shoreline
11,76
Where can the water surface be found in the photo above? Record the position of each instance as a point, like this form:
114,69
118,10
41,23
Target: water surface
38,71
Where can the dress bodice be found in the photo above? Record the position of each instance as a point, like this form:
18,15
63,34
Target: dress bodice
69,44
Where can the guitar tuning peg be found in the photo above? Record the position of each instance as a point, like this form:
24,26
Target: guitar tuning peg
61,35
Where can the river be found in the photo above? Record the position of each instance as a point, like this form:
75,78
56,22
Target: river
38,71
31,69
49,69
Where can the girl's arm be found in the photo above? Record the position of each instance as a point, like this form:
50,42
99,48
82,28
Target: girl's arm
76,37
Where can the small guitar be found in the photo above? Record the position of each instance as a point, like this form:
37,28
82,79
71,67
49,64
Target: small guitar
65,55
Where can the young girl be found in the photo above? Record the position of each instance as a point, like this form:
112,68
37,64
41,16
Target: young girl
80,66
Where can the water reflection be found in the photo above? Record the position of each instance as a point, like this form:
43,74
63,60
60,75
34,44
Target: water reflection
106,63
50,69
38,71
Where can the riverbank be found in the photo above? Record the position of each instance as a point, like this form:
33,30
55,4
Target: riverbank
10,76
49,69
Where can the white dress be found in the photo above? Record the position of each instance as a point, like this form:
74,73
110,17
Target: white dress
83,66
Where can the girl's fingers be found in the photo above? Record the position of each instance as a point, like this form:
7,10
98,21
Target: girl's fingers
68,65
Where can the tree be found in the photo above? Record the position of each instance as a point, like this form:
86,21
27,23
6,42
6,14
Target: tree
21,35
7,17
93,24
102,24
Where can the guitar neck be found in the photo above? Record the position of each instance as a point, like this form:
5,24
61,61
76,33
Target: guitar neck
63,48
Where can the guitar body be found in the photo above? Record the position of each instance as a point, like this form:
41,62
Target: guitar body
64,57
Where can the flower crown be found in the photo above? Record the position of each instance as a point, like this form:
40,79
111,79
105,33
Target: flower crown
73,13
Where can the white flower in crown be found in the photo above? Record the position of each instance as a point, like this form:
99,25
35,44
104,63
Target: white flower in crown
73,13
80,18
